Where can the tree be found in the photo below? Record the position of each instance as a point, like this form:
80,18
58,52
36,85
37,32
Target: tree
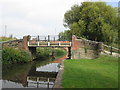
93,20
66,35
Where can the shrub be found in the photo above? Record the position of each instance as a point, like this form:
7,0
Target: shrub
11,56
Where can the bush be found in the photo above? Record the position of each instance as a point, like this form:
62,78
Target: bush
45,53
11,56
59,52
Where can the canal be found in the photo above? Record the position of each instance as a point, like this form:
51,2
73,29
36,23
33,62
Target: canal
35,74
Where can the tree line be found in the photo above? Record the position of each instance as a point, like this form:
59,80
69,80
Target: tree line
92,20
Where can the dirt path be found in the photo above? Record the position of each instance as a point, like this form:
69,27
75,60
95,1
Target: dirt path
59,60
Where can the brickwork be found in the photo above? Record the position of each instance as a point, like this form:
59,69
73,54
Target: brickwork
18,44
82,48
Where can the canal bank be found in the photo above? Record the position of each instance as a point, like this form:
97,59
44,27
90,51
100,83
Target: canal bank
59,78
29,75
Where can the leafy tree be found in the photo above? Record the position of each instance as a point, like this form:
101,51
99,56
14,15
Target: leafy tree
66,35
93,20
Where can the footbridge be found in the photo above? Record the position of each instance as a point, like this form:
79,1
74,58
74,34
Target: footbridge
53,41
48,41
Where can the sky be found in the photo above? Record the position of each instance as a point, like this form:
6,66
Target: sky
35,17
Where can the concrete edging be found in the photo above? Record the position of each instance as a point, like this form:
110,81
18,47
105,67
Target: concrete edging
58,80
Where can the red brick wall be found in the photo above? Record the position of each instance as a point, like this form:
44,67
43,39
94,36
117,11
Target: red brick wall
24,43
75,43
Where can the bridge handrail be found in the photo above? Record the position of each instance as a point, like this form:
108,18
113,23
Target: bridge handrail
111,46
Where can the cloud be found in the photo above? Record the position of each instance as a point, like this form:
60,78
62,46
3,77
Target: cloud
34,17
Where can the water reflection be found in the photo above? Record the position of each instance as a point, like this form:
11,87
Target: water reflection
51,67
35,74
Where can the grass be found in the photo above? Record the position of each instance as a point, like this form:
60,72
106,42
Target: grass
98,73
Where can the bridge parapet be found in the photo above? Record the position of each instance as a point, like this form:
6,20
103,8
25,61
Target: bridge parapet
49,44
48,41
83,48
13,43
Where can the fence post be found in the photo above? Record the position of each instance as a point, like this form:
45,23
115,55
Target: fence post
111,50
48,37
59,43
58,37
37,82
48,83
54,39
38,37
27,80
45,39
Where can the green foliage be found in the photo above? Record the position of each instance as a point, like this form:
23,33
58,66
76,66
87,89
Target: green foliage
66,35
93,20
45,52
98,73
11,56
59,52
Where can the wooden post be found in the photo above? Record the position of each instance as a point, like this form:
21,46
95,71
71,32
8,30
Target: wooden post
59,43
45,39
54,39
48,83
37,82
59,37
27,80
69,52
48,37
70,44
38,43
48,43
38,38
111,50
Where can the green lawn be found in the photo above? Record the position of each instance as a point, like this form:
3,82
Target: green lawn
97,73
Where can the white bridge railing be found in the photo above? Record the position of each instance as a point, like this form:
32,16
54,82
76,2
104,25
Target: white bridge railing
60,44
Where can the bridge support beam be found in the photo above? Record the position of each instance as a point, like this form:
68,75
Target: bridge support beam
69,52
33,51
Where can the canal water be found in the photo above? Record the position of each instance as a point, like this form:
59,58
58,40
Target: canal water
36,74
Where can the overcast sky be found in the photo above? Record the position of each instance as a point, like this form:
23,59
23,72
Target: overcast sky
33,17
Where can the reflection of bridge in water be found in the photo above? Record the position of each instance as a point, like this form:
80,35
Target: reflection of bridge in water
42,76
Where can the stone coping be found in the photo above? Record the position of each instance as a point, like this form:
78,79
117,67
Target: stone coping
59,78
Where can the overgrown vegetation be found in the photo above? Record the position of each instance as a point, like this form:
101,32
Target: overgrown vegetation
12,56
98,73
46,52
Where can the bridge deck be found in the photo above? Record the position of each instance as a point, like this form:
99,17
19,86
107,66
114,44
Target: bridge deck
49,44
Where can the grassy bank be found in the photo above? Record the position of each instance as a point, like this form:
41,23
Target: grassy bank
97,73
12,56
